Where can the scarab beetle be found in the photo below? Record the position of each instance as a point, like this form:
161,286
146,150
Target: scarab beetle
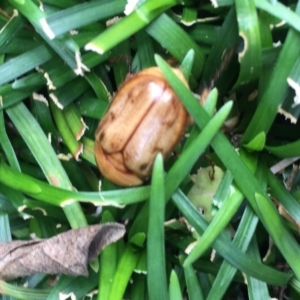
145,117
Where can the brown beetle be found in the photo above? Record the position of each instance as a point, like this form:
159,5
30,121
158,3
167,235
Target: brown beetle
144,118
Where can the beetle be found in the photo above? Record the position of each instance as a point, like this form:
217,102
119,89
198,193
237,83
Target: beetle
144,118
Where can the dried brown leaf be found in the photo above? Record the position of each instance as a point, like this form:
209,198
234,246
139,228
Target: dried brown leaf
66,253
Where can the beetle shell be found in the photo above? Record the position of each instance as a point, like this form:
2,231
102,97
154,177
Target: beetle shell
145,118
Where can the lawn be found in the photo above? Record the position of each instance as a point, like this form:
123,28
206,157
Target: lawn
217,216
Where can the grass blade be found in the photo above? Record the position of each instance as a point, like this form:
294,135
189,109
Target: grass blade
156,279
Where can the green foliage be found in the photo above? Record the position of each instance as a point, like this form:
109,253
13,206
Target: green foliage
60,63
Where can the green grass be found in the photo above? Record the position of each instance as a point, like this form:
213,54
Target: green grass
59,68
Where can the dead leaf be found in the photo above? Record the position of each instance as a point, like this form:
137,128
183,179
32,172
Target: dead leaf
66,253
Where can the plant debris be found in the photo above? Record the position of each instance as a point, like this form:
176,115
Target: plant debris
66,253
